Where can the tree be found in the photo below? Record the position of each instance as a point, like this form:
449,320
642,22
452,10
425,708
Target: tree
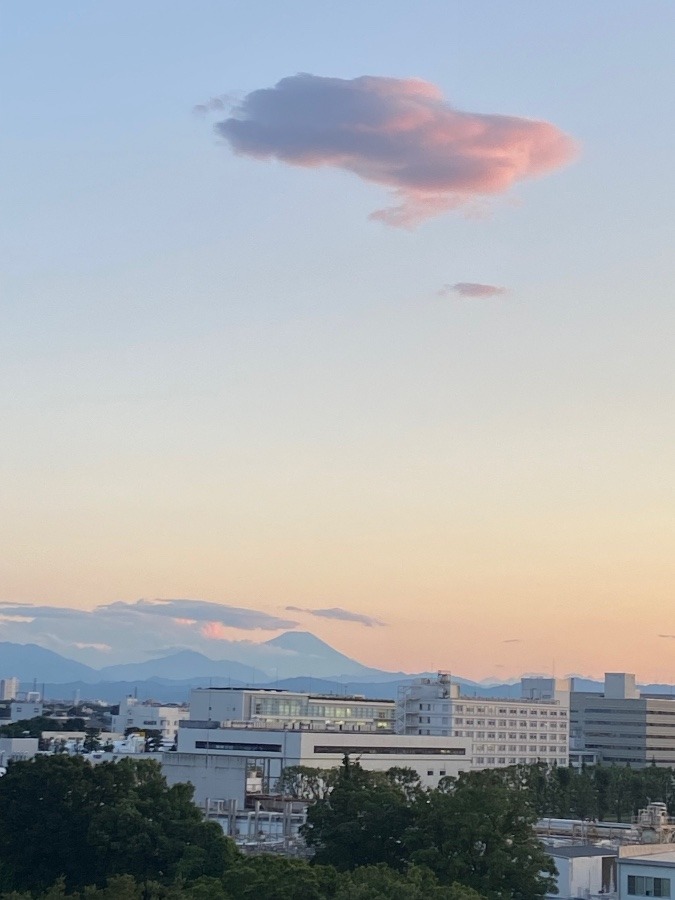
277,878
361,822
382,883
92,740
478,831
305,783
62,816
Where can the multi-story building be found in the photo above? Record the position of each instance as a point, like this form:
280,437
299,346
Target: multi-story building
218,760
622,726
9,688
280,708
149,717
533,728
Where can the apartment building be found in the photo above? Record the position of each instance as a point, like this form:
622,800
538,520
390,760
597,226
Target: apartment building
9,688
533,728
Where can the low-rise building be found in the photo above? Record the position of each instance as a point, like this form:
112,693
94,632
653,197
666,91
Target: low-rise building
19,710
16,749
150,716
585,871
646,870
216,760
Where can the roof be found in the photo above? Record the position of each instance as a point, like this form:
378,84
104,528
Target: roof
576,851
667,858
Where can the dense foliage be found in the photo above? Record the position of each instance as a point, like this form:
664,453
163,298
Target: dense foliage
117,831
474,830
609,793
62,816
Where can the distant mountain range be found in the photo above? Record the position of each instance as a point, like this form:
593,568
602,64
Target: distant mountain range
294,660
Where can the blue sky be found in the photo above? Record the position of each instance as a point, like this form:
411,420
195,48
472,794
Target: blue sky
221,380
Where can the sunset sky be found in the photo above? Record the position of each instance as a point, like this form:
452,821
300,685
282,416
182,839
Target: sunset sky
358,308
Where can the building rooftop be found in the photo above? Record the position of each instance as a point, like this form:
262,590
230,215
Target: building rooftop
665,858
576,851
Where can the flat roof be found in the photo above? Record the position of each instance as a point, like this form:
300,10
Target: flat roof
576,851
311,696
667,858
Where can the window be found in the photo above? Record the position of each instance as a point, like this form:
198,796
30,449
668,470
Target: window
441,772
430,771
646,886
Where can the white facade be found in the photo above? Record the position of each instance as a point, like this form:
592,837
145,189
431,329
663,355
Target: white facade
202,750
23,709
280,708
646,871
584,871
149,717
500,732
9,688
14,749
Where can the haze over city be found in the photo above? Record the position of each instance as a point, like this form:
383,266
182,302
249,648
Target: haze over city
353,319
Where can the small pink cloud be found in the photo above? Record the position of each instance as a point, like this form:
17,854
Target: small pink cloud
399,133
470,289
180,621
214,631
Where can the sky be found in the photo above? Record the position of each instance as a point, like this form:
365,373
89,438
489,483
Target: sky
364,309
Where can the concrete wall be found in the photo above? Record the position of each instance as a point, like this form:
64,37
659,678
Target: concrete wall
213,777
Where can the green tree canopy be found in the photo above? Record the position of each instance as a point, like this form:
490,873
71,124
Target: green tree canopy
63,817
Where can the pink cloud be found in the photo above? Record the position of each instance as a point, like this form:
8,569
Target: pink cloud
399,133
470,289
214,631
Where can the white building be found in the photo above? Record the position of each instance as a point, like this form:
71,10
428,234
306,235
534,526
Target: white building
15,749
9,688
150,717
646,870
18,710
584,871
216,760
533,728
280,708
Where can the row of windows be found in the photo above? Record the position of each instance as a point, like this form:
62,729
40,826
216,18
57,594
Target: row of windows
507,723
646,886
386,751
298,708
522,711
520,748
511,736
513,760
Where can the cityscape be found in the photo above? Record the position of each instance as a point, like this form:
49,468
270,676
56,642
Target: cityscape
337,450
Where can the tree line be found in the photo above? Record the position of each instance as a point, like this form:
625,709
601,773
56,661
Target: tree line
117,831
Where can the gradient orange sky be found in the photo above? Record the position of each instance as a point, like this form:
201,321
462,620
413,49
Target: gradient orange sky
223,381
